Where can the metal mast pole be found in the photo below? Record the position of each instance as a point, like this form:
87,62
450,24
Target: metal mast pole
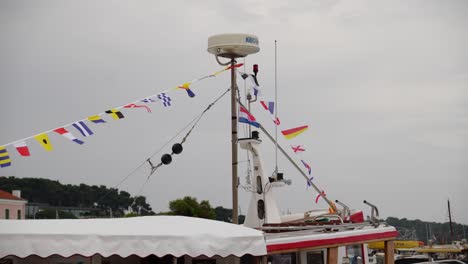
276,115
450,219
234,142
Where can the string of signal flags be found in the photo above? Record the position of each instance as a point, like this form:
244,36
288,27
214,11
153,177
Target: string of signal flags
84,128
247,118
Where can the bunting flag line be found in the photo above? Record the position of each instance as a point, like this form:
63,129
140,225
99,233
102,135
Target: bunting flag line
43,139
165,98
62,131
319,195
83,129
223,70
22,148
96,119
5,160
186,87
235,66
270,107
293,132
298,148
307,166
254,82
115,114
246,117
308,182
148,100
138,106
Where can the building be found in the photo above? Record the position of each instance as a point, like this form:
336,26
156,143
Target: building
12,206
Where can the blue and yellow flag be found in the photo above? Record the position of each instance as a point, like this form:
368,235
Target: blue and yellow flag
5,160
96,119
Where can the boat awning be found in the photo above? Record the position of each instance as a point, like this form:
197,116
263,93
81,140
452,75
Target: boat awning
292,241
141,236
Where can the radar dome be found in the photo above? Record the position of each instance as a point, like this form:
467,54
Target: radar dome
233,45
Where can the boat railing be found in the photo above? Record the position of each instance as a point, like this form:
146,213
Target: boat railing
320,228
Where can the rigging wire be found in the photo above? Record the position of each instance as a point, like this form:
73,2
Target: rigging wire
194,121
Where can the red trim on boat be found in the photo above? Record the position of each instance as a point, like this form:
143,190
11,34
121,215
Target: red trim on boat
331,241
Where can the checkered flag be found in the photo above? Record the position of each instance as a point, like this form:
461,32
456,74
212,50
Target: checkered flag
165,99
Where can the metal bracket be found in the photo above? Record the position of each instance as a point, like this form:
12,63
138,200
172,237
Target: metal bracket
375,220
346,212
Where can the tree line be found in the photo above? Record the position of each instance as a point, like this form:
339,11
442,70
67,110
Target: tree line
45,191
439,233
53,193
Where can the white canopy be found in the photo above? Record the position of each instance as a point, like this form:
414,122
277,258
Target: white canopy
141,236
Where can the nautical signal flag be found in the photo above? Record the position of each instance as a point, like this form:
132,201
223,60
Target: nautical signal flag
138,106
293,132
22,148
62,131
309,181
166,99
148,100
5,160
307,166
186,87
298,148
83,128
235,66
115,114
270,107
96,119
246,117
43,139
254,83
319,195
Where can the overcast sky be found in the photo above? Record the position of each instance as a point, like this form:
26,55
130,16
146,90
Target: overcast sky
381,84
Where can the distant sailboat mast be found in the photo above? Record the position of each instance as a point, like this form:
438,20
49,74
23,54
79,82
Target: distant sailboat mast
450,220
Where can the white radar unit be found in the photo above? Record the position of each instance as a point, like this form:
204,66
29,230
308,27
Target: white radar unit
233,45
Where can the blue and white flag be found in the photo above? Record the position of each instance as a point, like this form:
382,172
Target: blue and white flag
83,128
254,82
165,99
148,100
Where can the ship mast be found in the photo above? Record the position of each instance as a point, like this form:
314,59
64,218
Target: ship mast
235,215
233,46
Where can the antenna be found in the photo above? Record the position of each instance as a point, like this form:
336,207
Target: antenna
276,114
233,46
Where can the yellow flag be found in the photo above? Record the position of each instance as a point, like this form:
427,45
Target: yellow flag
43,139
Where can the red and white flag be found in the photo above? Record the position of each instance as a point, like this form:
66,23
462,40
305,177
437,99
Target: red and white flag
319,195
270,107
22,148
62,131
138,106
298,148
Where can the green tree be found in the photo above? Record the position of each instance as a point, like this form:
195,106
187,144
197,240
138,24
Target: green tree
53,193
189,206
